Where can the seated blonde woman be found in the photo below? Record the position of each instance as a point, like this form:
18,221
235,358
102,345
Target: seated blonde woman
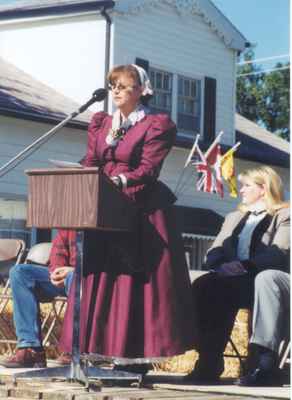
253,239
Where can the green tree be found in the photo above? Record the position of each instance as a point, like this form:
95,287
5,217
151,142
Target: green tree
264,97
248,92
275,111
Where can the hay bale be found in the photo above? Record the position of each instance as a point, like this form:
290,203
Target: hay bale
184,363
7,327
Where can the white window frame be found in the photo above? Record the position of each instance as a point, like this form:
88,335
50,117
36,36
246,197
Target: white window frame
189,97
159,70
174,97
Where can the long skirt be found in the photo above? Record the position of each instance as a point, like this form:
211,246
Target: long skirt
136,293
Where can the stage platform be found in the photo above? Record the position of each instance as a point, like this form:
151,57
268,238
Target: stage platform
157,386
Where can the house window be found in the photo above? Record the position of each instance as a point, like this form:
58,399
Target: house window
189,104
182,101
162,85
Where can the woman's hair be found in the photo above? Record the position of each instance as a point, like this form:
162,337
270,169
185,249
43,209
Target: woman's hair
267,177
130,72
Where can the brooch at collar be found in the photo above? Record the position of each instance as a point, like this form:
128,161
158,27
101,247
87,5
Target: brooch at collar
115,135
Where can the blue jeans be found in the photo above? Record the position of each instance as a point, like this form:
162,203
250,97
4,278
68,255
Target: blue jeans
31,286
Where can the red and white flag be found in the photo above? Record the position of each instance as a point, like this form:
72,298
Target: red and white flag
208,166
214,160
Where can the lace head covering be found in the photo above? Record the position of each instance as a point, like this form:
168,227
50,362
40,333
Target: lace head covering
145,81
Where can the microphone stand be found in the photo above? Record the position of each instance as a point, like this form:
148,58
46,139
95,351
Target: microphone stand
21,156
79,370
98,95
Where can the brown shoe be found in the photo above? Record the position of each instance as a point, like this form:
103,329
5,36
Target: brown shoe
25,358
63,359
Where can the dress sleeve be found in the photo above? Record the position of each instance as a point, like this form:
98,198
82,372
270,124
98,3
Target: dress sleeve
63,252
90,159
158,142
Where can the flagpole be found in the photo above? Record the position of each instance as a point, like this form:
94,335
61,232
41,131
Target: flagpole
235,146
192,151
216,140
186,163
231,149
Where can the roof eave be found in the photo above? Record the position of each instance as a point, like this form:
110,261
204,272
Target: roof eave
46,119
57,9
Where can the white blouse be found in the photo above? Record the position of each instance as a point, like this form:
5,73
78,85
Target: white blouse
244,238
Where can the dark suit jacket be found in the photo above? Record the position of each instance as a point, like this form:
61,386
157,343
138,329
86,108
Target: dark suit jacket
270,243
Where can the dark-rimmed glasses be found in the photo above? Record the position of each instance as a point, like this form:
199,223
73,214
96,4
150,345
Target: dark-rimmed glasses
119,87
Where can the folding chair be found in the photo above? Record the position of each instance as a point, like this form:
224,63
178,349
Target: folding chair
11,250
39,254
284,353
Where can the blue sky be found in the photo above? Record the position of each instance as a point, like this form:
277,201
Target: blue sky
265,22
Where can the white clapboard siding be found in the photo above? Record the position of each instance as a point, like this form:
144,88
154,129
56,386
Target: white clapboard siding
15,134
65,53
183,44
12,209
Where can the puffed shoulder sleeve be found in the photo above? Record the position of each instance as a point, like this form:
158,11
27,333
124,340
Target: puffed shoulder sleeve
158,141
90,159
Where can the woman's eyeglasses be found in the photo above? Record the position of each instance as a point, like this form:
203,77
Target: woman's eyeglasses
119,87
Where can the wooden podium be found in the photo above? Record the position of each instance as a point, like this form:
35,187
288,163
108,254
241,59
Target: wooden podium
81,199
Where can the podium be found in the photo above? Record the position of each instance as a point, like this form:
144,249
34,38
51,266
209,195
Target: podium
77,198
80,199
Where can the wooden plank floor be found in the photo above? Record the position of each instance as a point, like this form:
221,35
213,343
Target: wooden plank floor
156,387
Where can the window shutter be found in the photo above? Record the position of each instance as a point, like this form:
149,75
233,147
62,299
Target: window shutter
210,109
142,63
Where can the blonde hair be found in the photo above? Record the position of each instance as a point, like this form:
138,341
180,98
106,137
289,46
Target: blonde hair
268,178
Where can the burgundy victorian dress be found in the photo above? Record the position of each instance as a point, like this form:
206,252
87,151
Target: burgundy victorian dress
136,296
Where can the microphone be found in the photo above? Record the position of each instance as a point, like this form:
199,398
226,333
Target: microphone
97,95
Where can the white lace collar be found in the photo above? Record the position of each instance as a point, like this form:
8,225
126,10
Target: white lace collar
119,127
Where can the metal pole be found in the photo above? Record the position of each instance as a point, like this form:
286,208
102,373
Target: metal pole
34,146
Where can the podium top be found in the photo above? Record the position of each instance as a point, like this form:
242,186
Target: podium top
62,171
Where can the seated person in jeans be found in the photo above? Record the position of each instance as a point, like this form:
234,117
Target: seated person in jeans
253,239
31,285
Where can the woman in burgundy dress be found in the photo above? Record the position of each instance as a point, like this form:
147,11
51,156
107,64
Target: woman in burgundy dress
136,305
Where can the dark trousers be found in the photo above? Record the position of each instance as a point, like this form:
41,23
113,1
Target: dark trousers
216,302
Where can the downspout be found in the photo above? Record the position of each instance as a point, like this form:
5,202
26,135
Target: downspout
107,51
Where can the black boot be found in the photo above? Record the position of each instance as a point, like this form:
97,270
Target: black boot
265,372
207,370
